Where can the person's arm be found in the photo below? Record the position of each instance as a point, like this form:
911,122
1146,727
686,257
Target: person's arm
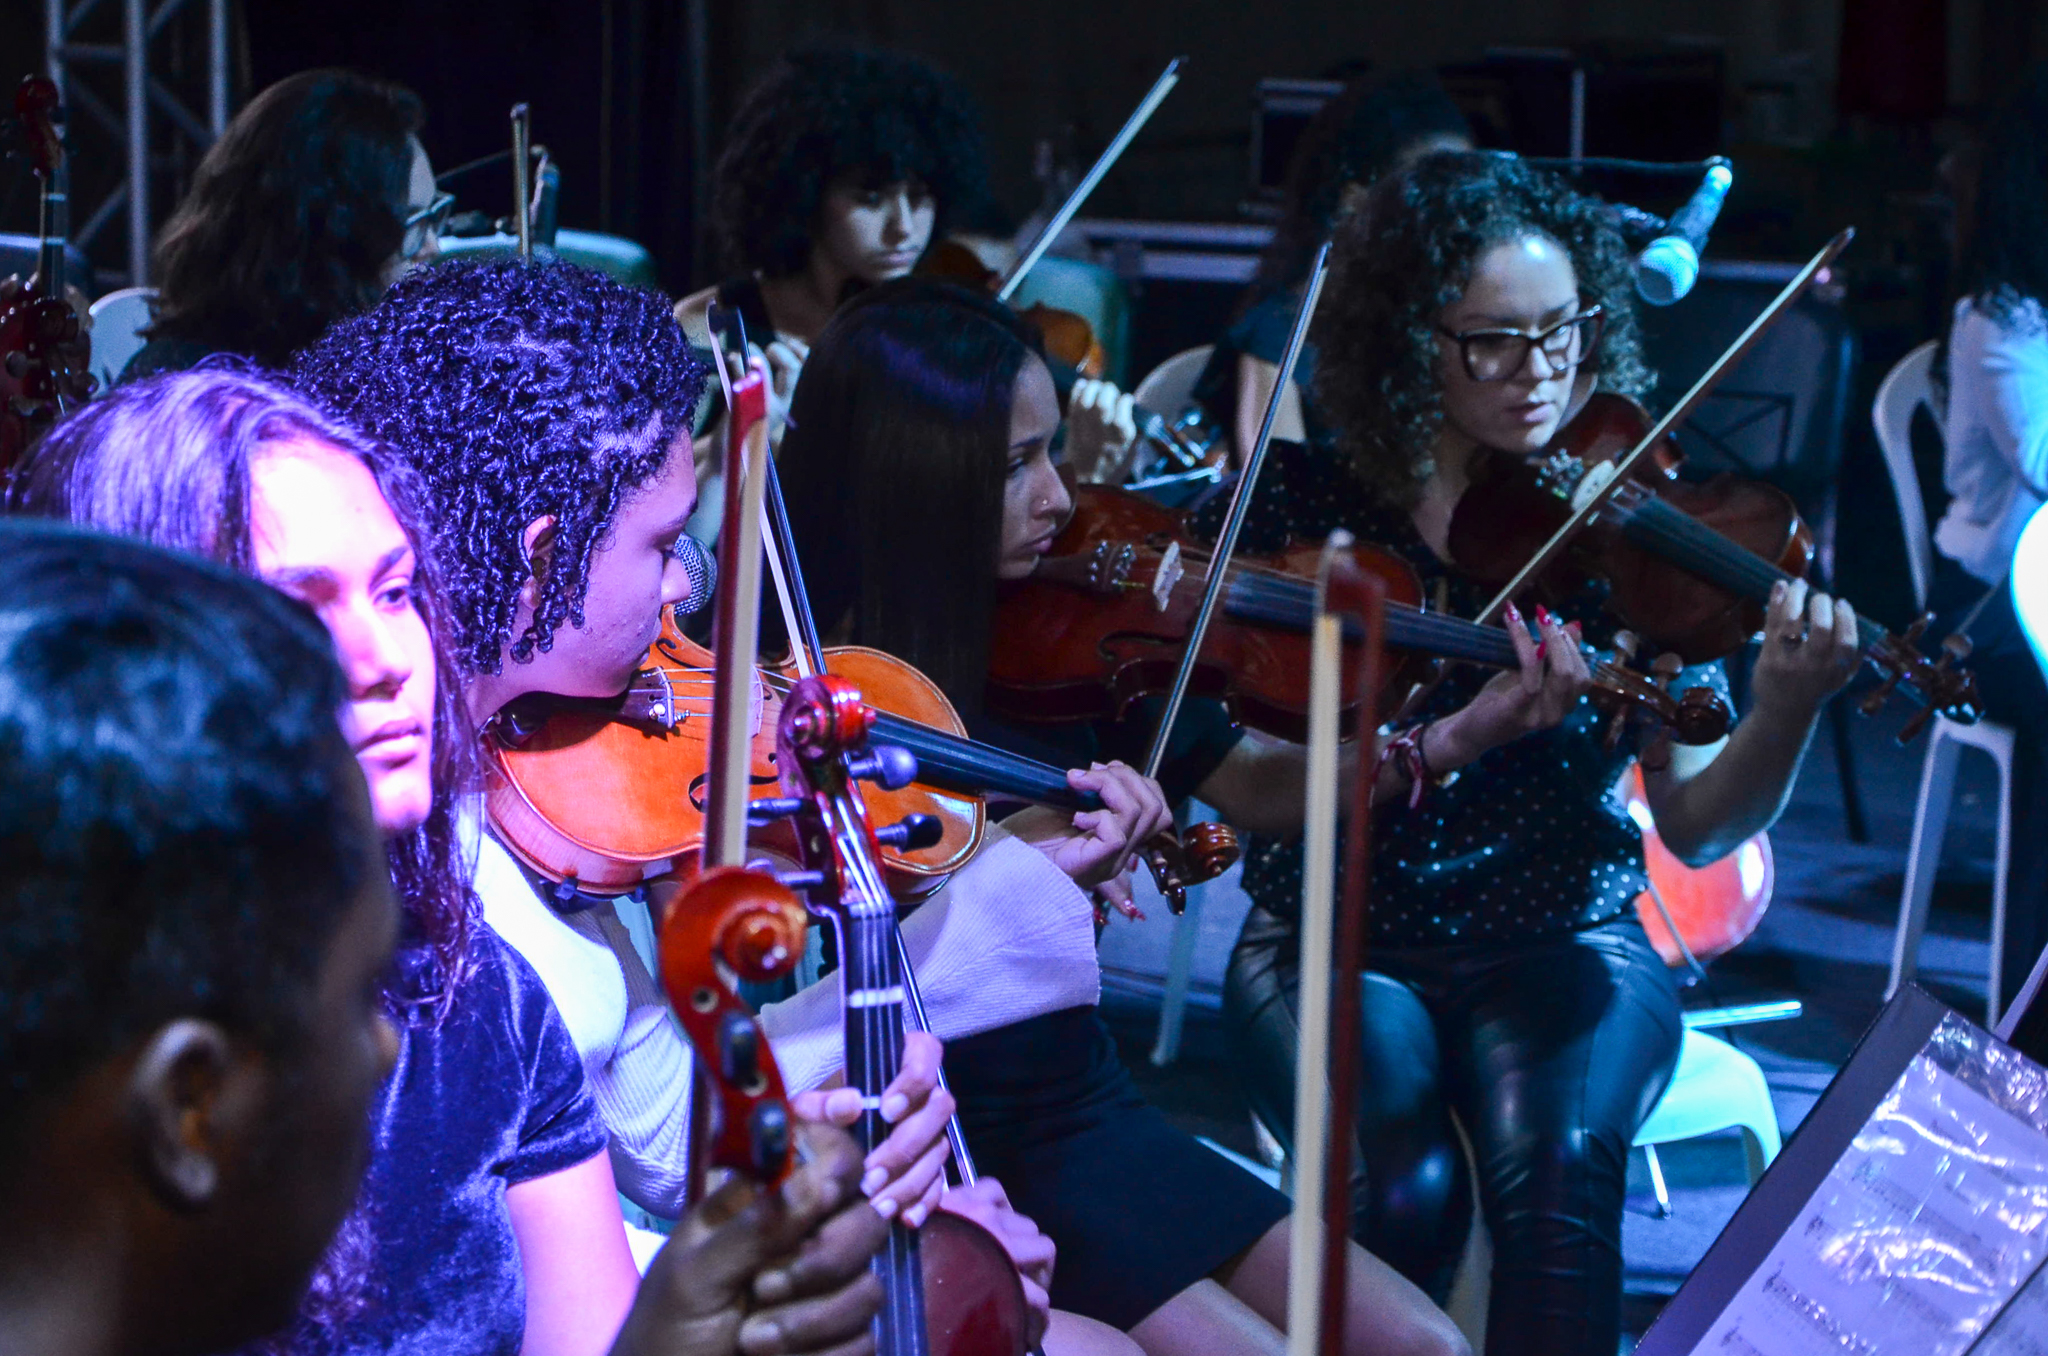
580,1277
1262,785
1708,801
1255,381
2012,383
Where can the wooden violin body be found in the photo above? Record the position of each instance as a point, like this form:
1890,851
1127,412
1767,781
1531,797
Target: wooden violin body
42,363
1069,339
607,802
1105,618
1514,504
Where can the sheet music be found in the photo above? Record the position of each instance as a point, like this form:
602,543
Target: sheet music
1920,1235
2022,1330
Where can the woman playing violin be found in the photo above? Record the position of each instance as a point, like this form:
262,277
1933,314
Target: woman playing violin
842,166
919,476
1474,303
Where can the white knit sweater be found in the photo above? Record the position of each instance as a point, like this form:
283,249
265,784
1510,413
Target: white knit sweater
1007,938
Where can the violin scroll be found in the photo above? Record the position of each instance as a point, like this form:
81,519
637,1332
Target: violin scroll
1947,690
1179,861
745,922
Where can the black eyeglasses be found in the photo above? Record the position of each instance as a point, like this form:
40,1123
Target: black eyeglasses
425,221
1496,355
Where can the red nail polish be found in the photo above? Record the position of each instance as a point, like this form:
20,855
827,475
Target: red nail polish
1512,613
1541,646
1543,614
1577,632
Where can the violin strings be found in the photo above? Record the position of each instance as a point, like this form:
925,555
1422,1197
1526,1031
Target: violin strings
1696,547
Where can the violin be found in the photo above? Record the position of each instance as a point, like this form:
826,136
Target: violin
1105,619
1689,566
1695,913
1070,340
604,794
42,368
950,1288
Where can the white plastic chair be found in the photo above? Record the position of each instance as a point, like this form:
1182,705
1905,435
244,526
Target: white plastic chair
1906,387
117,322
1167,388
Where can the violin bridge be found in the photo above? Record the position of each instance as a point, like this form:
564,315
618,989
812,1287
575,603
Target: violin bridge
1166,576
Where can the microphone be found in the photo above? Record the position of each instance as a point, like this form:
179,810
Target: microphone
1669,265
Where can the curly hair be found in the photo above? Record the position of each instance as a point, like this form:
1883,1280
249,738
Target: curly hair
293,217
2004,262
167,459
827,115
1405,255
516,391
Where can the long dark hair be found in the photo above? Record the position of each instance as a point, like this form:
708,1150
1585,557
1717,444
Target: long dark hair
2005,250
293,217
893,466
166,459
1406,254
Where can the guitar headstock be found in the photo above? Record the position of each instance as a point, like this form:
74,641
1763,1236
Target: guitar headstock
41,113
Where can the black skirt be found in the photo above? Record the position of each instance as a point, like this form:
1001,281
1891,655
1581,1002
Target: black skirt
1140,1211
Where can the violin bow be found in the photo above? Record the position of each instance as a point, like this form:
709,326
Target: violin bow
1043,241
1327,1057
809,652
1233,520
522,138
1590,504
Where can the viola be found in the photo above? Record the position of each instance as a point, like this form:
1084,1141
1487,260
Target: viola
1105,618
950,1288
1689,566
605,794
42,362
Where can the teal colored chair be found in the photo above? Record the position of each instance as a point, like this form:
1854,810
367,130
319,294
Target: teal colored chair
626,260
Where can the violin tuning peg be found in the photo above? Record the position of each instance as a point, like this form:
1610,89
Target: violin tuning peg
911,833
768,1129
801,880
1955,647
739,1050
1910,731
1666,667
763,812
1626,643
889,766
1918,628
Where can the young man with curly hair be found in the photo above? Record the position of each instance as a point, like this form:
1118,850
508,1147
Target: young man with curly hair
547,409
1473,306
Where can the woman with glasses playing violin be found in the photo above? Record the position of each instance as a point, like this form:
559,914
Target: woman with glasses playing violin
316,198
1474,303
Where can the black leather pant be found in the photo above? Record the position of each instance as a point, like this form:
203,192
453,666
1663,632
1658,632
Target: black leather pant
1551,1052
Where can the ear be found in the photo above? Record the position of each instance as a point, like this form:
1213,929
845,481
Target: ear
537,544
190,1100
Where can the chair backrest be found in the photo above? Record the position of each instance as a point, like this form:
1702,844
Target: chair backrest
1906,387
118,319
2030,585
1167,388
